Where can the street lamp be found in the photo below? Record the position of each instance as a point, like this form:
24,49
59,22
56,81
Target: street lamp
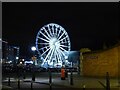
33,48
17,58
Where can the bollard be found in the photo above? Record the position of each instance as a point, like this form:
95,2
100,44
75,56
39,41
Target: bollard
66,73
18,83
31,85
9,81
50,79
33,73
24,75
9,78
33,77
107,81
50,86
71,78
84,87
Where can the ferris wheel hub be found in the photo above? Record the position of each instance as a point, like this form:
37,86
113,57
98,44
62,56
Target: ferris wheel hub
54,43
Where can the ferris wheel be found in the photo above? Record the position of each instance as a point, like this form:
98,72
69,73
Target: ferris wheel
52,44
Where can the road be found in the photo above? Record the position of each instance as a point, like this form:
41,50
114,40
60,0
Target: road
42,82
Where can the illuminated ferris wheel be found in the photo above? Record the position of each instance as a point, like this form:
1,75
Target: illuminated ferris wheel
53,44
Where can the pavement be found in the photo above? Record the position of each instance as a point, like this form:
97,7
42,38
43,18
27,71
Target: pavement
79,82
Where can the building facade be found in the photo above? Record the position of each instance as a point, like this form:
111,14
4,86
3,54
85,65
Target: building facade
10,53
99,62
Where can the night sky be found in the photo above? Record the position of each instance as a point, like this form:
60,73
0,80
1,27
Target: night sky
87,24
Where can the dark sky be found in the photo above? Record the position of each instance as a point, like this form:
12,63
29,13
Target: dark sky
87,24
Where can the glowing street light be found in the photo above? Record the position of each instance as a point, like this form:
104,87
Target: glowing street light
17,57
33,48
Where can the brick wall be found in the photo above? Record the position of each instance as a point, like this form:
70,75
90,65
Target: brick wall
100,62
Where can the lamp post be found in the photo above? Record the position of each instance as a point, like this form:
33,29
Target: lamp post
33,48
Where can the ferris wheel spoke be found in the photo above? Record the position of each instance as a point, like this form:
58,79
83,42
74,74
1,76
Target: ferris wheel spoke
50,30
64,46
58,53
44,35
55,54
43,47
63,42
63,38
53,29
56,31
46,32
51,54
45,51
48,54
63,49
43,39
61,35
62,53
44,43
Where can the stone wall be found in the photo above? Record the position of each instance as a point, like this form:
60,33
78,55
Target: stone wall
119,61
100,62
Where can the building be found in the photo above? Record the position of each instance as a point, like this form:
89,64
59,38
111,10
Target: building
13,54
9,53
4,51
97,63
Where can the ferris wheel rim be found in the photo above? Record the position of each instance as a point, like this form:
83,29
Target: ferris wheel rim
48,36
